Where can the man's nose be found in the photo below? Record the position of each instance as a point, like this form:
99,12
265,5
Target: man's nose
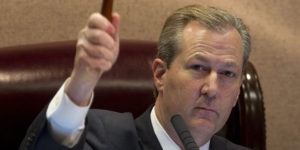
210,85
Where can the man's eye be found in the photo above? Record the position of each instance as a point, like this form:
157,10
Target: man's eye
197,67
228,74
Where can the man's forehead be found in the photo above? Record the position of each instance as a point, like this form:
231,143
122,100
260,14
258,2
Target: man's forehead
195,27
196,37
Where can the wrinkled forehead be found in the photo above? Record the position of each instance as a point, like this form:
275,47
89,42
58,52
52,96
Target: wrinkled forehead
197,37
194,27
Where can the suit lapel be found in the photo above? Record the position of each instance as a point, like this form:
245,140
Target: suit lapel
147,137
217,144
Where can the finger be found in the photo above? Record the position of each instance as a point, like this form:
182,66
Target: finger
116,19
116,23
94,64
98,21
95,51
99,37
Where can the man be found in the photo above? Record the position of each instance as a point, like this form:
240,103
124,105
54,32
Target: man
197,73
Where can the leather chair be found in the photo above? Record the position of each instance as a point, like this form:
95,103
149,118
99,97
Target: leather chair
30,76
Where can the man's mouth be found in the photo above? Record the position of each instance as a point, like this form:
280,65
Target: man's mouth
208,109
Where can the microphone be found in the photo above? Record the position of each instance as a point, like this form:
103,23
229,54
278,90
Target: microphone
183,133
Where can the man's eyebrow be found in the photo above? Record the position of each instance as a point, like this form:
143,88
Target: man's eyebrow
230,65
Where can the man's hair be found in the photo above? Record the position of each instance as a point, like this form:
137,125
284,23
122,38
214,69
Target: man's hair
212,18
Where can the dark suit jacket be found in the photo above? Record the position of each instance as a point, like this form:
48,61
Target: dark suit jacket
107,130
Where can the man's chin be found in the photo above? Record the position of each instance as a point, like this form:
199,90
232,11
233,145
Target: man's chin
203,126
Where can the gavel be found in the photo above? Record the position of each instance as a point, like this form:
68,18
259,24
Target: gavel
107,9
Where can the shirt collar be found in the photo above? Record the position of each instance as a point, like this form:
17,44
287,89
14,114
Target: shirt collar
164,139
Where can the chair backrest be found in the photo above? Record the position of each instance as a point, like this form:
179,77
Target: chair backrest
30,76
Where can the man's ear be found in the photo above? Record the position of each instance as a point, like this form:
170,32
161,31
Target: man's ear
159,69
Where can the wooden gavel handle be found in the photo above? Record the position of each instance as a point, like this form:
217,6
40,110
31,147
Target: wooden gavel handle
107,9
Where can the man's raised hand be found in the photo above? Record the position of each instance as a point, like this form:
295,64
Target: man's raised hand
96,51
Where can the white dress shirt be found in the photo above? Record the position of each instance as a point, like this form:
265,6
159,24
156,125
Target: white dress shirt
67,121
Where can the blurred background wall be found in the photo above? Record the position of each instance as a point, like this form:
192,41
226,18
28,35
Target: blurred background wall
274,26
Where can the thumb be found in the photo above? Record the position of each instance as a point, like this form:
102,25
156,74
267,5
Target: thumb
116,21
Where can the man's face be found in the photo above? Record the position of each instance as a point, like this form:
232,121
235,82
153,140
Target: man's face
203,81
